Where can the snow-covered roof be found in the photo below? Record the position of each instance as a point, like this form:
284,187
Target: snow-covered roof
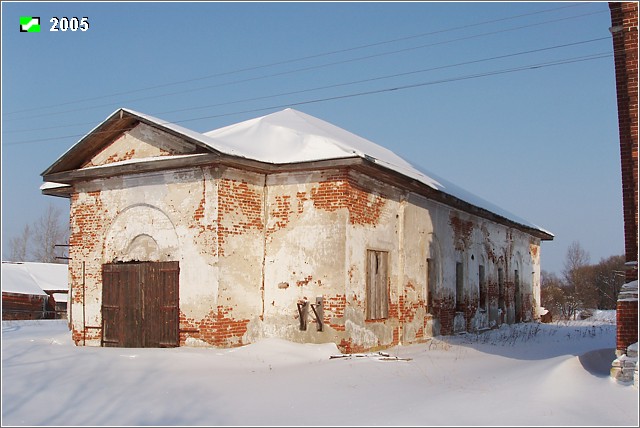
61,297
49,276
33,278
17,279
290,136
50,185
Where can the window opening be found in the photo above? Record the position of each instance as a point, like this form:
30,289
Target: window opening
377,304
501,304
459,286
482,285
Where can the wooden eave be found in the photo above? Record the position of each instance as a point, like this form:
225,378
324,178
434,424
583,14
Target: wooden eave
69,177
105,133
365,166
92,143
61,192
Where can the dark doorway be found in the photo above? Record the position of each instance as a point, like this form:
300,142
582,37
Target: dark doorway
140,304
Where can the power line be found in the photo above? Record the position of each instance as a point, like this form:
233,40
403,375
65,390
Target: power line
377,91
345,83
415,85
288,61
424,70
313,67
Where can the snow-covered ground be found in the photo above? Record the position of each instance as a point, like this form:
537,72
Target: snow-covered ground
526,375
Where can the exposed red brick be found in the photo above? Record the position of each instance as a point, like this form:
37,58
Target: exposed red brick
462,230
207,236
534,249
626,323
80,336
444,309
624,24
333,309
341,190
281,211
116,157
408,306
304,281
87,222
218,328
244,205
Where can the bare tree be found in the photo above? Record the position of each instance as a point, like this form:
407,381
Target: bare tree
577,272
552,294
608,276
20,245
576,259
38,241
583,286
47,233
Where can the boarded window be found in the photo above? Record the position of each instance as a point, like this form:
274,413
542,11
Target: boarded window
482,286
377,304
459,286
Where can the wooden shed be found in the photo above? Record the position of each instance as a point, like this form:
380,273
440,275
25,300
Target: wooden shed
29,290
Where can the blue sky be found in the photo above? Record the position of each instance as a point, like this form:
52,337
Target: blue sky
513,101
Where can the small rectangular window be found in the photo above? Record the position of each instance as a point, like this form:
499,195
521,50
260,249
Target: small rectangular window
482,285
518,295
459,286
501,297
431,283
377,304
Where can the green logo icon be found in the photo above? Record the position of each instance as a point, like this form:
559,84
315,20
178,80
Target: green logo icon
29,24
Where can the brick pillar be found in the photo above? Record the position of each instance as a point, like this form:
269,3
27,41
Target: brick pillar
624,30
624,367
627,317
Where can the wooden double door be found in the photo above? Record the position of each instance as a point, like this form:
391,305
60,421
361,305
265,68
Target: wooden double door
140,304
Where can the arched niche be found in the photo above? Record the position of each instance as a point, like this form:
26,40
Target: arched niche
141,233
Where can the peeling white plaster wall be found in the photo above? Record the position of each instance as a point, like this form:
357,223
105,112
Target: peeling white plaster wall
251,246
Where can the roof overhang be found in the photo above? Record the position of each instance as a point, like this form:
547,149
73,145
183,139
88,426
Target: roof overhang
68,168
120,121
388,175
365,166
